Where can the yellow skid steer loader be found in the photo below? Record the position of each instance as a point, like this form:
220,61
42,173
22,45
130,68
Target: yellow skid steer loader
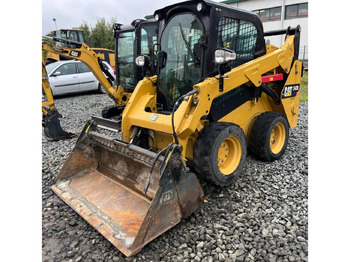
219,90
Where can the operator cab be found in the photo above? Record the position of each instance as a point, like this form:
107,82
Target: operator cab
76,35
137,38
191,33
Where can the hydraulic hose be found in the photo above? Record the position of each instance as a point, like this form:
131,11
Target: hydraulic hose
177,103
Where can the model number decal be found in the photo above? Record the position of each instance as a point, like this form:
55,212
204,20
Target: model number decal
290,91
153,117
168,195
74,53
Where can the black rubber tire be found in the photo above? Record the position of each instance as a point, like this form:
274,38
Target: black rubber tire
205,153
259,143
100,89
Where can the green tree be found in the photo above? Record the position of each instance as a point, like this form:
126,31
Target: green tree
44,53
87,32
50,34
102,33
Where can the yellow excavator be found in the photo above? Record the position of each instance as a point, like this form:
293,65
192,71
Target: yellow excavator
77,35
218,91
137,38
143,33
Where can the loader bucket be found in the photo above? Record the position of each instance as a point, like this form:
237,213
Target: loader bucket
52,126
104,179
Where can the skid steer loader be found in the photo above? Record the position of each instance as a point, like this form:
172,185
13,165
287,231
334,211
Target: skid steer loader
218,90
131,40
51,122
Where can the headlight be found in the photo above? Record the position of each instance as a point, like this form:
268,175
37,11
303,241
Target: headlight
224,55
156,17
140,61
143,61
199,7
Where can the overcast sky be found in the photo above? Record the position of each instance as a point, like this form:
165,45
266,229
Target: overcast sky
70,13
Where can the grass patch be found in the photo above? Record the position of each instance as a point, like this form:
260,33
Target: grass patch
304,87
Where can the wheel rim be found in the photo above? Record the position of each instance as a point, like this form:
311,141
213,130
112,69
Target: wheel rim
229,155
277,138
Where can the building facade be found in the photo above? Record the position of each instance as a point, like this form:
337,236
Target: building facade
279,14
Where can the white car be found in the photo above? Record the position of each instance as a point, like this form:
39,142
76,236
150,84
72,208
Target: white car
71,76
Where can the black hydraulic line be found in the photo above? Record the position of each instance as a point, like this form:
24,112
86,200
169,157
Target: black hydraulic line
194,91
152,167
289,31
270,93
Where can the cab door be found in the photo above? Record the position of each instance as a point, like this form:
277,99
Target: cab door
64,79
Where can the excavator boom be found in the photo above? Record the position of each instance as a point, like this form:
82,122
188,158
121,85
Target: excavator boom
93,61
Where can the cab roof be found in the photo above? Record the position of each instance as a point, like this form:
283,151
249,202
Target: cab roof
208,3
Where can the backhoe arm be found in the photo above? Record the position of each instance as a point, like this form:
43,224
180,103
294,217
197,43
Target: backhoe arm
51,122
84,53
48,103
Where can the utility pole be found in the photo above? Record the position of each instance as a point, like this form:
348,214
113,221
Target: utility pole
283,12
54,19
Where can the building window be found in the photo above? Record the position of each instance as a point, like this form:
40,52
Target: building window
303,10
269,14
299,10
275,13
264,15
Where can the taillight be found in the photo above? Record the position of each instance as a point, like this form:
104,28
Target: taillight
115,72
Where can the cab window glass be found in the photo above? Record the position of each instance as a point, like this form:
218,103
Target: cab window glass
182,69
81,37
126,59
147,42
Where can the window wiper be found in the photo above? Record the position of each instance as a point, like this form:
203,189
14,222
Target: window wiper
186,43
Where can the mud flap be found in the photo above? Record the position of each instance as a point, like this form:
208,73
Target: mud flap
52,126
104,179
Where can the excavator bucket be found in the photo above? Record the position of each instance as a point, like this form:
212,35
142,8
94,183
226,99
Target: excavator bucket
52,126
127,193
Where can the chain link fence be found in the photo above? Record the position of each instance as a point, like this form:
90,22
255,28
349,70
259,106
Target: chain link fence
303,55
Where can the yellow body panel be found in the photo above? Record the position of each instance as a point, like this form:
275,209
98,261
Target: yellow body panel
53,57
111,55
246,113
291,104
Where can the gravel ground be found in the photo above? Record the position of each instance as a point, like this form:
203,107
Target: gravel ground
262,217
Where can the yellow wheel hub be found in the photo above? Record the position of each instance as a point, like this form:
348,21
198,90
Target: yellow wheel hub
278,137
229,155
